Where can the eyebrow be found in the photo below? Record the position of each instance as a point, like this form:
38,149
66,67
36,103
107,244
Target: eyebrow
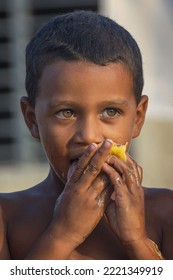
56,103
114,102
117,102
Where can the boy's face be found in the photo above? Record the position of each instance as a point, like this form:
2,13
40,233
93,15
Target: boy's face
79,103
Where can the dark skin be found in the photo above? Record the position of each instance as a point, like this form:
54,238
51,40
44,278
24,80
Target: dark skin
91,205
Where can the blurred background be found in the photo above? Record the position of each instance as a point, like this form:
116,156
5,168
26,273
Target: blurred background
22,162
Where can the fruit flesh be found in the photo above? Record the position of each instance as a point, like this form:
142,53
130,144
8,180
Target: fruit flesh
119,151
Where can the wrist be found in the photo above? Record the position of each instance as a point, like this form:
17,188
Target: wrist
143,249
49,247
60,238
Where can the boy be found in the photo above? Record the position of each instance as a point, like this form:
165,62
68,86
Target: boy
84,82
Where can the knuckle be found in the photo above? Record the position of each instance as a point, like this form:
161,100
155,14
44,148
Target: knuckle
135,164
77,173
92,168
100,151
130,171
79,169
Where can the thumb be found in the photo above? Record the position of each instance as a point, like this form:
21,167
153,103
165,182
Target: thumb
110,210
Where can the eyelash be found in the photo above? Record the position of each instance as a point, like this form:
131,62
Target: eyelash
116,111
60,114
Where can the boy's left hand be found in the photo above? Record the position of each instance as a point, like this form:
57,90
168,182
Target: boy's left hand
125,212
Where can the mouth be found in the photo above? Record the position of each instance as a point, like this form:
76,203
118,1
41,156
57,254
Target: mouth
74,161
76,157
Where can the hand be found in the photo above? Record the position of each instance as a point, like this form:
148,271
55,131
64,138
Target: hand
125,212
85,196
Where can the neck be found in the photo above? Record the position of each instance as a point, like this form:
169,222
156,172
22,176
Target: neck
54,183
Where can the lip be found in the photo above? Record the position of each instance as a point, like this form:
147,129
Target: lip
71,168
76,156
73,160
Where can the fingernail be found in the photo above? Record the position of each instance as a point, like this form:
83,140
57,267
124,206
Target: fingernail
92,146
108,142
118,180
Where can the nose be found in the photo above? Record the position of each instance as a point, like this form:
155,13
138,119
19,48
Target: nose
89,131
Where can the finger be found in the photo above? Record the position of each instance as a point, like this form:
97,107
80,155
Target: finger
128,171
104,198
140,171
116,180
77,169
110,210
99,184
135,169
95,164
107,192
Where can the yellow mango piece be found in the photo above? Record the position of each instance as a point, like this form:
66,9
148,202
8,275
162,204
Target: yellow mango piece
119,151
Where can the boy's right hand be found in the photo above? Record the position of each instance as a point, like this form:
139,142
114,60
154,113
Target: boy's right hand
84,198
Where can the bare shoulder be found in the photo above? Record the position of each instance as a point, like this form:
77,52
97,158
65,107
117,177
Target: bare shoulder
11,203
4,211
19,212
24,202
159,216
160,200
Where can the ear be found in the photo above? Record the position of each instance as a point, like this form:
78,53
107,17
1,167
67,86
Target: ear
29,117
140,115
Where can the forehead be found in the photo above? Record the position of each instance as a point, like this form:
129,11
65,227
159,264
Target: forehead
85,78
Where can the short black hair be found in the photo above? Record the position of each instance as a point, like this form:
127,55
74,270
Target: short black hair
82,36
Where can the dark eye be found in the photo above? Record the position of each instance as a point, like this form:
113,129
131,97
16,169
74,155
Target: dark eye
65,114
110,113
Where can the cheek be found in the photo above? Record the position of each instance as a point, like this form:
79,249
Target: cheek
122,134
51,138
57,156
54,145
